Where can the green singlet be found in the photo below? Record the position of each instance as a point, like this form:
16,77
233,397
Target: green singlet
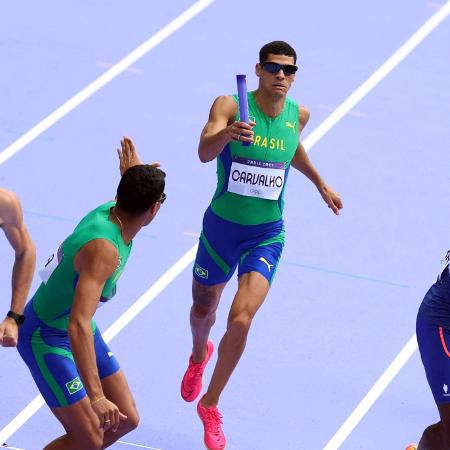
53,300
251,180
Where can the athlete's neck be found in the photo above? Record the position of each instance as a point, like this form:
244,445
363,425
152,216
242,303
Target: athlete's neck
270,105
128,225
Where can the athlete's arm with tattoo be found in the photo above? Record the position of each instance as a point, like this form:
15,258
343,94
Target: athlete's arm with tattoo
302,163
24,262
95,262
221,129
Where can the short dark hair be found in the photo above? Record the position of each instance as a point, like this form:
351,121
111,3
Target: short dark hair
276,48
140,187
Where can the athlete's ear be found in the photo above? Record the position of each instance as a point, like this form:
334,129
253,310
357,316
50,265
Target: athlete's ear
154,208
150,214
258,69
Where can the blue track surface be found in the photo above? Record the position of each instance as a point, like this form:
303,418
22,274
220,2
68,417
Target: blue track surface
347,290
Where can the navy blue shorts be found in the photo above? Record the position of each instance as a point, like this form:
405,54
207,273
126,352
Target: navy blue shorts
433,338
225,245
47,353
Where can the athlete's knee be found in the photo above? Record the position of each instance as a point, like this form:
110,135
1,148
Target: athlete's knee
95,442
91,439
132,421
239,325
200,311
205,299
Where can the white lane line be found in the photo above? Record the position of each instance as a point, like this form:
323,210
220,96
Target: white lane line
108,65
138,445
104,79
109,334
384,70
372,396
26,413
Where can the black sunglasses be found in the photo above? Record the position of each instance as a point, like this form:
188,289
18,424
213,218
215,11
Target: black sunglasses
271,67
162,198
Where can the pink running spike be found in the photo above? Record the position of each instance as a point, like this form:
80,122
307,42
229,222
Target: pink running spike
192,382
212,423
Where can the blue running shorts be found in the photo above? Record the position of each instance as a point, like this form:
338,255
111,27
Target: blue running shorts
47,353
225,245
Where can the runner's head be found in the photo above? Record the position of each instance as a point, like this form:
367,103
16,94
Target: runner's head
276,48
141,191
276,68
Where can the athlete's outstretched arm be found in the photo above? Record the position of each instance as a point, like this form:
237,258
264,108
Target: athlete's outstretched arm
95,263
221,129
24,263
302,163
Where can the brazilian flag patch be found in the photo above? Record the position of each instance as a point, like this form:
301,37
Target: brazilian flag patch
74,386
200,271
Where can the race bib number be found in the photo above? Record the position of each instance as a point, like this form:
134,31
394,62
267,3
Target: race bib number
444,263
50,265
254,178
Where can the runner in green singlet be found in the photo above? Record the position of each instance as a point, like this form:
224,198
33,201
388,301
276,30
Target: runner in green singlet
73,367
243,227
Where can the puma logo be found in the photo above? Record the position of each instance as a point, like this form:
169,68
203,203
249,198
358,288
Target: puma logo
264,260
291,125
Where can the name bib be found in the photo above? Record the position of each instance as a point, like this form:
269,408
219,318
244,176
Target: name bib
50,265
254,178
444,263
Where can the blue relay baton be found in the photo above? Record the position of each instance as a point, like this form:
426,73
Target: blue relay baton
243,104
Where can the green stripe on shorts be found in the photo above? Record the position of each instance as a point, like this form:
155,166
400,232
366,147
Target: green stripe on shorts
40,349
215,256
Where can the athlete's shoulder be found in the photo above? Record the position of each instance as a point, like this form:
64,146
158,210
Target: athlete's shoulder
225,104
303,116
100,254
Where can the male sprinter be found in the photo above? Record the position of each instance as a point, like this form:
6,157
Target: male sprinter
74,369
433,337
11,222
243,227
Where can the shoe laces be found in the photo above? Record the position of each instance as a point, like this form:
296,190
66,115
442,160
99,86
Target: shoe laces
195,371
213,420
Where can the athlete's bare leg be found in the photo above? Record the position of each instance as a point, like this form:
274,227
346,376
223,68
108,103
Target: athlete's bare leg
203,315
252,291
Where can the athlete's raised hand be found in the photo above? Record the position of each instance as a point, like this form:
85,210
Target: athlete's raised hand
108,414
128,155
331,198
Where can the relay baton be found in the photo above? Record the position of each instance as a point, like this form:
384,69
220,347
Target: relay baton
243,104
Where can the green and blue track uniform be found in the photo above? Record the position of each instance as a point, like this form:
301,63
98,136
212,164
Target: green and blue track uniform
43,339
243,226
